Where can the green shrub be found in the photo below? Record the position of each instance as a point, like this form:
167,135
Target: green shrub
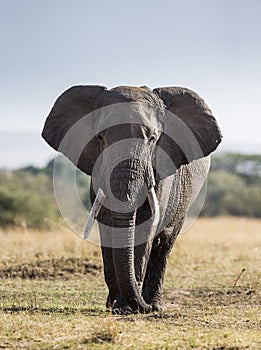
27,195
26,200
234,186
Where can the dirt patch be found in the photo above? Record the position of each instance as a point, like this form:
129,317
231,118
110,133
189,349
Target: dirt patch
222,296
53,268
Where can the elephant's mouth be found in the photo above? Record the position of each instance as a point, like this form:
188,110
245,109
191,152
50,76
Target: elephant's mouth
99,200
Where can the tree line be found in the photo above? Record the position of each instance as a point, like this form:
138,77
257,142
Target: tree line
27,197
234,186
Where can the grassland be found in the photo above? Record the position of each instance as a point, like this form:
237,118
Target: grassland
52,292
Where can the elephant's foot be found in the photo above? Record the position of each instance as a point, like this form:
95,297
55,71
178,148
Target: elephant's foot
156,302
110,302
158,305
121,307
126,310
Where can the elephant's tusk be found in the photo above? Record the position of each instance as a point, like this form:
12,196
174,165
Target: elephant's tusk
154,205
100,196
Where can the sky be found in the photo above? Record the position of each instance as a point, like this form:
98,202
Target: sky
210,46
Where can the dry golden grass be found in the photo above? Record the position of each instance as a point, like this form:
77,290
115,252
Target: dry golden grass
211,303
221,248
25,244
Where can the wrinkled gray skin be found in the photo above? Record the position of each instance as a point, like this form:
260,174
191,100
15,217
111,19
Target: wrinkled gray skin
134,274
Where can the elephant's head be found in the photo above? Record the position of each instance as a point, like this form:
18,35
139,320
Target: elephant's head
127,139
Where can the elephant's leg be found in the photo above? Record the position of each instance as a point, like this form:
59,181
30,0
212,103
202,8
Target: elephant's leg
108,266
153,284
114,300
141,258
110,277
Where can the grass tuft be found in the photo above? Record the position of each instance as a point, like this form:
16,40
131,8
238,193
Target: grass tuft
108,332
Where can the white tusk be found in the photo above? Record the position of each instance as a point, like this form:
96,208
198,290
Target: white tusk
100,196
154,205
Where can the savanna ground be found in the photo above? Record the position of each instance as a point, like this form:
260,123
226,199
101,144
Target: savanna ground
52,292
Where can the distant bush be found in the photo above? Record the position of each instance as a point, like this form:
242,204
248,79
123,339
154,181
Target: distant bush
234,186
26,200
63,168
27,195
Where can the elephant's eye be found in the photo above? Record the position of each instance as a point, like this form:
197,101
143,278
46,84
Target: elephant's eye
152,139
100,137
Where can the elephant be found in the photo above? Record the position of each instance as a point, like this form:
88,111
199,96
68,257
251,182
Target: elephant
144,150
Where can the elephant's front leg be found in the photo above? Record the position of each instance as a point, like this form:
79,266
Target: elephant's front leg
109,275
119,271
153,284
115,301
107,256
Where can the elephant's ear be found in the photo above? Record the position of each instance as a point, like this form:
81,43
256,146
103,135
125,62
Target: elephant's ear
190,130
68,125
